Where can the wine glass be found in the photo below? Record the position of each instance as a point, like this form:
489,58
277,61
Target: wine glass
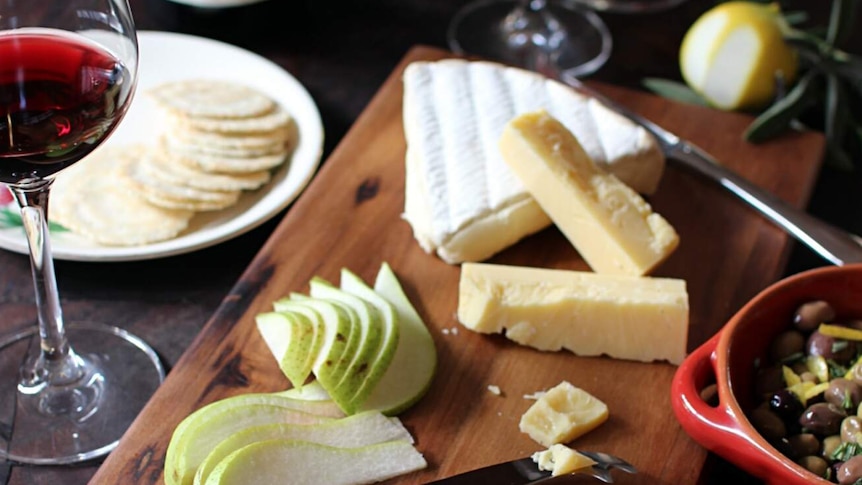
560,36
525,33
67,75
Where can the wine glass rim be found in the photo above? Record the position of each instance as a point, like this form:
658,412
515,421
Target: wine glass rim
585,68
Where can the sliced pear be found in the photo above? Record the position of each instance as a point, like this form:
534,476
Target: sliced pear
380,361
415,361
188,450
371,326
338,323
359,430
201,417
291,339
301,462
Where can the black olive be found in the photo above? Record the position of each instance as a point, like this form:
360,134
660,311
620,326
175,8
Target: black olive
810,315
830,348
822,418
786,405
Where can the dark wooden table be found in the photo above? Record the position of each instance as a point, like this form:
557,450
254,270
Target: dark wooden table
342,51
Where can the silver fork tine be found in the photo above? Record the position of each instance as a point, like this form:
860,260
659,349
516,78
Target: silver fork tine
606,461
597,472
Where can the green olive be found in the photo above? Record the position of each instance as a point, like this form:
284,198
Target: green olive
815,465
830,444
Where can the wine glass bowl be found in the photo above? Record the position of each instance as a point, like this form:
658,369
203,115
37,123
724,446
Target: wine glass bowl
528,33
67,76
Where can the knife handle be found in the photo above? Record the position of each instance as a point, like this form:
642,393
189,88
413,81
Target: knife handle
833,244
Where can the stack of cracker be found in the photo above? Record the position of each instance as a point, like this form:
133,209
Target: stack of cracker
217,139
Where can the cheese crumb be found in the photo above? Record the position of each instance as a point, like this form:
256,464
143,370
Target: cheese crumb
495,390
564,413
560,459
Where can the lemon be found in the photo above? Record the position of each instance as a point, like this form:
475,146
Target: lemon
732,54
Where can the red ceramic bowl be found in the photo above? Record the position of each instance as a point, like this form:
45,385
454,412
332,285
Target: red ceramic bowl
729,359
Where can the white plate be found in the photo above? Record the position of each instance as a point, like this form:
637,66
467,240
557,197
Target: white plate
167,57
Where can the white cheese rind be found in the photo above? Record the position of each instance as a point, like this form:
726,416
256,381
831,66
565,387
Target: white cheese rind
590,314
610,225
462,200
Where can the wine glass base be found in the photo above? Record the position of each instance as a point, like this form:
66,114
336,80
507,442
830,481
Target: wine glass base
35,429
483,28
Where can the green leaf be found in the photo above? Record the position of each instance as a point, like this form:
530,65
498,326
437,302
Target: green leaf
841,19
775,119
674,90
796,17
9,218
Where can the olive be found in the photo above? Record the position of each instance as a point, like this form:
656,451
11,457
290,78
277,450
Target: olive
815,465
786,344
822,418
810,315
830,444
786,405
856,372
850,471
843,393
829,348
769,380
851,429
768,424
804,444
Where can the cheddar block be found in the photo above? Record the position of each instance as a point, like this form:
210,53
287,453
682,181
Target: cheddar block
564,413
628,317
610,225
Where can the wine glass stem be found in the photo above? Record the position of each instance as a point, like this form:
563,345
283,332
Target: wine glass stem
57,362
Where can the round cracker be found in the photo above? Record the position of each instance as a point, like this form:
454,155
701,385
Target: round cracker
193,146
278,119
137,177
172,203
169,168
86,199
268,142
215,163
212,99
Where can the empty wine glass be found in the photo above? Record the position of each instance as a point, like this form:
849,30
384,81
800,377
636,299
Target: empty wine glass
526,32
67,74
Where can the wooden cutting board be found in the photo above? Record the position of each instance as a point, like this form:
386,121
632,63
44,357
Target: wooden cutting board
349,216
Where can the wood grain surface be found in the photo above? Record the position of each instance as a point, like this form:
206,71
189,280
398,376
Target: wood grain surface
349,216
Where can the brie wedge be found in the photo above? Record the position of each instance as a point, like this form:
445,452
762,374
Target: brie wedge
462,200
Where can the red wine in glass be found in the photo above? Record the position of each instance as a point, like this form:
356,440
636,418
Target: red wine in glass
63,90
59,96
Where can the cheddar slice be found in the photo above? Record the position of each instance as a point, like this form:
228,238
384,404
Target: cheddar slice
610,225
628,317
564,413
560,459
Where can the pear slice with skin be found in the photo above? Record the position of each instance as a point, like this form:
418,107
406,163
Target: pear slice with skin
206,414
340,325
369,337
304,463
359,430
380,361
415,361
291,339
188,451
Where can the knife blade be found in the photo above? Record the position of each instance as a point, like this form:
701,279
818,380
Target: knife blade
517,472
835,245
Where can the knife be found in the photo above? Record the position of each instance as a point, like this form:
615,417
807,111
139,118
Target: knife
526,471
517,472
831,243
